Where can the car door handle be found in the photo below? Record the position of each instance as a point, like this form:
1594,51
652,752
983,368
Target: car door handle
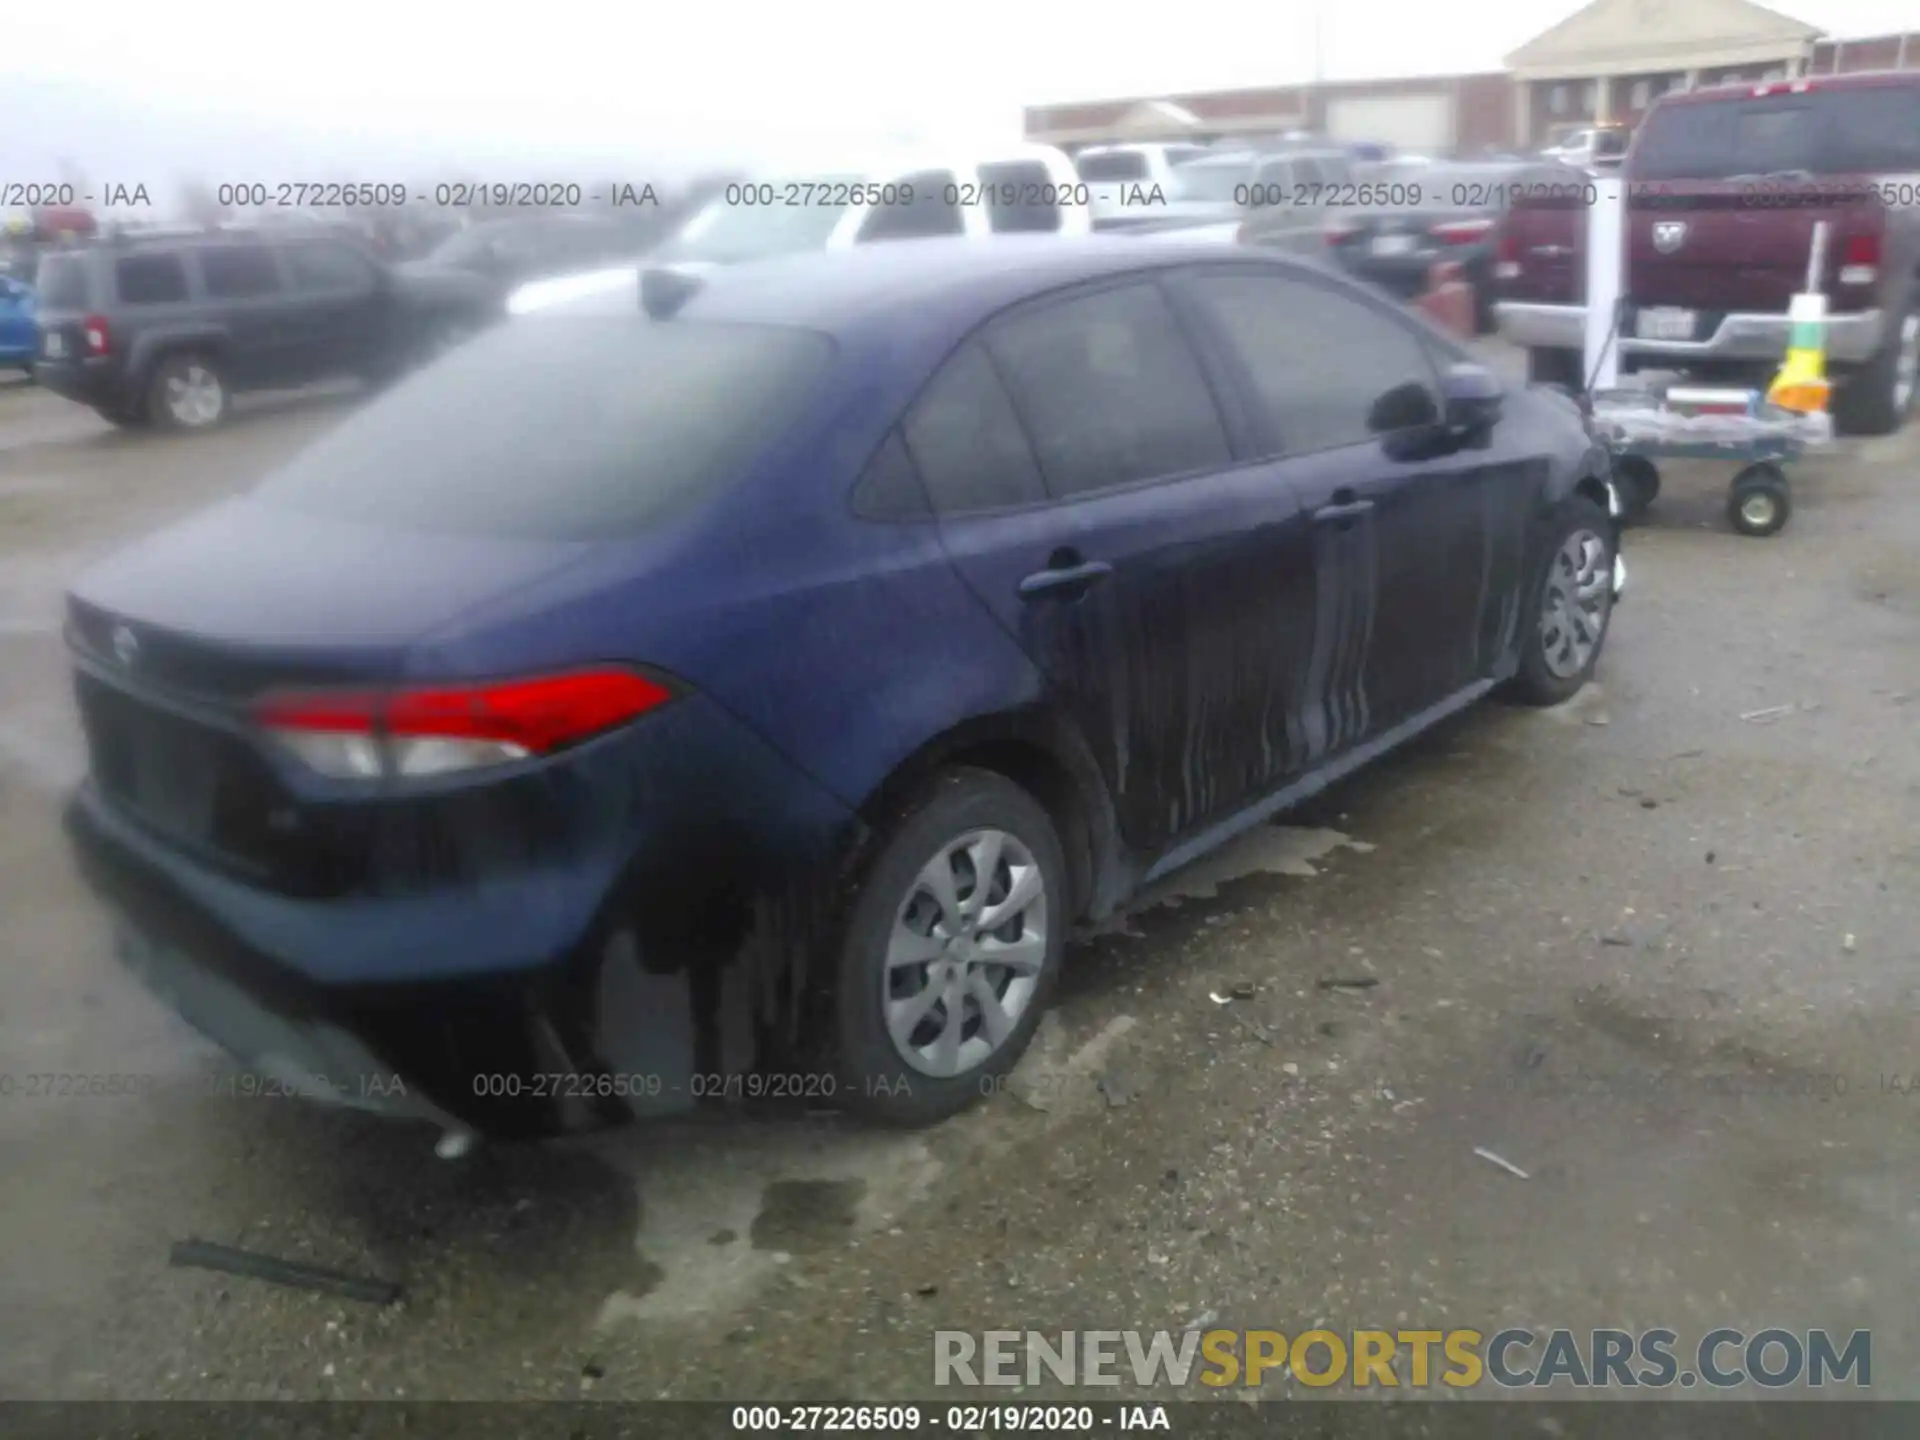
1069,581
1350,510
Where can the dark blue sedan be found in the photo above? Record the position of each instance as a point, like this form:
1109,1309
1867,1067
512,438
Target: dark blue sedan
735,690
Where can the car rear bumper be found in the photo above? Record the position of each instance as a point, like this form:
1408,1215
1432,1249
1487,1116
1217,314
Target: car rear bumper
1852,339
610,974
91,382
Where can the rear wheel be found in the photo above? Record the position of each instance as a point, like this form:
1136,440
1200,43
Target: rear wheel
1568,608
1760,503
1878,397
187,392
951,952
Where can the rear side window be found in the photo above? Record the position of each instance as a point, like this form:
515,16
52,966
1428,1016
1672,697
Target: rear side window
238,272
1876,129
64,283
569,427
1021,197
150,280
1109,390
1116,165
965,438
1318,359
890,488
932,211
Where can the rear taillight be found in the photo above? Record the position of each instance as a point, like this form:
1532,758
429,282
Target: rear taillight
98,337
1860,259
1462,232
1506,255
1342,230
441,729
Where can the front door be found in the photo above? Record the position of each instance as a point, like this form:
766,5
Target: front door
246,295
1093,496
1417,565
334,308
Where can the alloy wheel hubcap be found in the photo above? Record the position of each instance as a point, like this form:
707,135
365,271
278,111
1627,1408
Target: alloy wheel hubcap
1906,364
1757,510
194,396
965,953
1574,612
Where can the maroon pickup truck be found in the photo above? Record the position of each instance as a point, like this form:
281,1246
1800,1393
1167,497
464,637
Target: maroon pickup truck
1724,186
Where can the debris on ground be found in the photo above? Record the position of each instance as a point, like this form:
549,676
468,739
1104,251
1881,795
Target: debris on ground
1218,998
1118,1087
1769,714
1504,1164
1243,990
203,1255
1255,1029
1847,944
1615,938
1202,1320
1354,982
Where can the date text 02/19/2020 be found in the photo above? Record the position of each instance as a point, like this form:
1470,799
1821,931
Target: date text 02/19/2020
569,1085
953,1419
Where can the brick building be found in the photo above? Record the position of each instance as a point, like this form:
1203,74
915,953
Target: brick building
1607,61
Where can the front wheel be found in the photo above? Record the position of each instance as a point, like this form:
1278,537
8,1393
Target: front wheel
951,952
1568,606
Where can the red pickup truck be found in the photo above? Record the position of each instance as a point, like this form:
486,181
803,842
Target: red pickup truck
1724,186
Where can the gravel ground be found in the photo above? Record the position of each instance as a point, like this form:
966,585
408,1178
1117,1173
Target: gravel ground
1659,957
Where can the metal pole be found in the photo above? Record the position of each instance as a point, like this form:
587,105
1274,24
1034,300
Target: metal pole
1817,261
1606,257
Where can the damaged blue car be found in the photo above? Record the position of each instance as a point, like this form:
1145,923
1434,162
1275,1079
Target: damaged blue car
732,689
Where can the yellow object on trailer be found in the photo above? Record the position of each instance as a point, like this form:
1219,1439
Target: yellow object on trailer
1802,384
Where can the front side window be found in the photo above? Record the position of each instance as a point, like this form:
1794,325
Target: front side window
1110,391
1320,361
1021,197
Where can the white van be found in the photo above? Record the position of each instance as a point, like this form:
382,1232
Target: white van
1018,189
1119,176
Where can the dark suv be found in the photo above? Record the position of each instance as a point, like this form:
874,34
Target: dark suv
167,329
1724,187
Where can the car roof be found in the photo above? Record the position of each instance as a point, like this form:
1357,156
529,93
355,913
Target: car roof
1855,80
961,280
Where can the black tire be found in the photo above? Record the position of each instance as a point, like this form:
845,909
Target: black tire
1867,403
1636,480
874,1079
1536,682
187,367
1556,367
1760,502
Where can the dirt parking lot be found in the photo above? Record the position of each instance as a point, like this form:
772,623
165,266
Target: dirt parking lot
1659,957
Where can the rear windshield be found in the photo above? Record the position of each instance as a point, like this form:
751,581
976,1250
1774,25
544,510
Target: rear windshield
1821,132
762,219
62,283
561,427
1120,165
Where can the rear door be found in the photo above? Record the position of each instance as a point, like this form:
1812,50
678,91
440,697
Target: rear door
245,294
1090,495
333,307
1417,550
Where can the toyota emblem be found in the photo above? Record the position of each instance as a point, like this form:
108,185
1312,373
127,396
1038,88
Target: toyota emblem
126,645
1669,235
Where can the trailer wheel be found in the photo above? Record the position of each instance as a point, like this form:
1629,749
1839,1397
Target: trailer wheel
1759,504
1637,479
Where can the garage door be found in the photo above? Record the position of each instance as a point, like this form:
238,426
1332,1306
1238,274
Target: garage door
1422,123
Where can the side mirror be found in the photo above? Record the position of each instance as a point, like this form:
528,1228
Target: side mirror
1471,395
1404,408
